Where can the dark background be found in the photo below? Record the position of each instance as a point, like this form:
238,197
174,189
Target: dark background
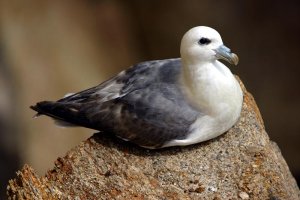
49,48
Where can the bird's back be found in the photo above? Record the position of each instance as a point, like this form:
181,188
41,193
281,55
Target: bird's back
143,104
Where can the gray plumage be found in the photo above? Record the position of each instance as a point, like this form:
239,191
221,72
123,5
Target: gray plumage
144,104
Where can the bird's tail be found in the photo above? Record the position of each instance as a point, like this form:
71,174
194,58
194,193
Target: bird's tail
62,113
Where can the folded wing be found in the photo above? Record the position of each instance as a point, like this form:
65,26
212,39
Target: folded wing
143,104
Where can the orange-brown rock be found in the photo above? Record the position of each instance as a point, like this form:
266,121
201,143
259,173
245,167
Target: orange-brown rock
241,164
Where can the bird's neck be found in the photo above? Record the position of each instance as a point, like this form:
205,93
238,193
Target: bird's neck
206,84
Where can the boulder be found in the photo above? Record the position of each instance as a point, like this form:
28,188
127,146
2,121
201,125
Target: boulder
240,164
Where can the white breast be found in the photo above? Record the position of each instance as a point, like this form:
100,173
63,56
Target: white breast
214,91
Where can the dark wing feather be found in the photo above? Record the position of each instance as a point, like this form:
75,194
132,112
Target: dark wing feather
143,104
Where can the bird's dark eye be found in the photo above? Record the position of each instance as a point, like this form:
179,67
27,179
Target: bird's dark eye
204,41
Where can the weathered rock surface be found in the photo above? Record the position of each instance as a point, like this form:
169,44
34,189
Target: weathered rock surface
241,164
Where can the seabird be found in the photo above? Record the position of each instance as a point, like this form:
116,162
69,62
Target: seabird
161,103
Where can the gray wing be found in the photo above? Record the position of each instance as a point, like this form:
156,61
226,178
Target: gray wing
143,104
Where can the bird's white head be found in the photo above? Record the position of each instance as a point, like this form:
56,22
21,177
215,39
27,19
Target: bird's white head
204,44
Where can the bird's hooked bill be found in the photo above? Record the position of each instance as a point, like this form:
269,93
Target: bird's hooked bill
223,52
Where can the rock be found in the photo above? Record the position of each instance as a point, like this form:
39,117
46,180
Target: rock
244,195
241,164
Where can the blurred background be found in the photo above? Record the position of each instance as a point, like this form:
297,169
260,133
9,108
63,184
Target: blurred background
50,48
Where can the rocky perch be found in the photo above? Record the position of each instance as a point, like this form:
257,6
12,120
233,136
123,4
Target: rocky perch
241,164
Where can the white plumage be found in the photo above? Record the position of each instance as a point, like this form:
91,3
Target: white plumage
209,85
